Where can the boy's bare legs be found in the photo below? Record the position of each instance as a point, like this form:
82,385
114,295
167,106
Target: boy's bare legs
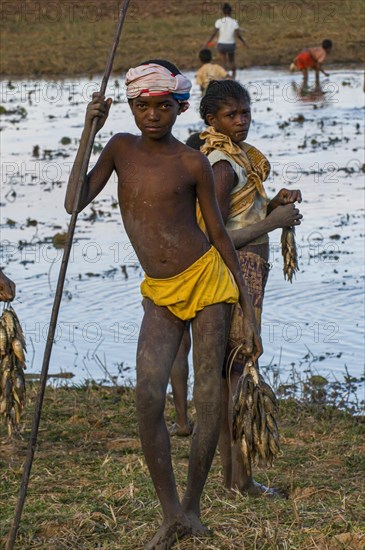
223,57
225,438
232,64
305,79
159,341
317,87
317,78
210,331
179,383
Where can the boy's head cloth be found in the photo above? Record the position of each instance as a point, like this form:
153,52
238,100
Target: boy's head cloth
158,77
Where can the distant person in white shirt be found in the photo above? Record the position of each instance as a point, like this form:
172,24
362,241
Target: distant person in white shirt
228,30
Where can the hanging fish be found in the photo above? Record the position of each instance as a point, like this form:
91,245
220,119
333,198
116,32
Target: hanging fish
254,423
12,364
289,252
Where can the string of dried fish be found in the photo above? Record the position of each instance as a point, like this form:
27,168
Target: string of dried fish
289,252
12,364
254,423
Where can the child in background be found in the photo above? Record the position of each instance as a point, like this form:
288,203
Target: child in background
208,71
312,58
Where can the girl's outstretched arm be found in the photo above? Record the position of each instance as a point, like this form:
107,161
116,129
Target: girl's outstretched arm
282,211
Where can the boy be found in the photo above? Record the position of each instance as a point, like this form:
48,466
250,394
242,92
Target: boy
312,58
208,71
228,30
186,279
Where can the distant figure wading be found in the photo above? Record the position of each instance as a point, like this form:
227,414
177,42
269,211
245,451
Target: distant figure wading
312,58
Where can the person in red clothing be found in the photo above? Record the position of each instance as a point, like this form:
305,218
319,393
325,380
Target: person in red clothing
312,58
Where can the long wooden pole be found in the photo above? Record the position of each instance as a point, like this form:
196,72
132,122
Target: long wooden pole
58,296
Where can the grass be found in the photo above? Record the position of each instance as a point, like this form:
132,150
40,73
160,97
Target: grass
90,487
70,38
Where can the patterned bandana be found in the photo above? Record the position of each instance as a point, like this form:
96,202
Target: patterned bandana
155,80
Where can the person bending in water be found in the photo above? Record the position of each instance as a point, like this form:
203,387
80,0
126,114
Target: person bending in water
187,276
312,58
239,172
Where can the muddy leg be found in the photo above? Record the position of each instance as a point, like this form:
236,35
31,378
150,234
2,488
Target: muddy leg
179,383
232,64
305,78
210,331
223,57
317,88
159,340
224,442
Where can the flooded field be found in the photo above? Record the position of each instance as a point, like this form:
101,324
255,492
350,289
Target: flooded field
313,142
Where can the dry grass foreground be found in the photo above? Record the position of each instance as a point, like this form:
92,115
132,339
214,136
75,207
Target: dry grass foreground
90,487
70,37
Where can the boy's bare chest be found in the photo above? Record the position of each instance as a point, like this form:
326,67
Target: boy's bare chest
153,181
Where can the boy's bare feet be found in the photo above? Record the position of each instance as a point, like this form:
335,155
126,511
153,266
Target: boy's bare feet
169,533
181,430
197,528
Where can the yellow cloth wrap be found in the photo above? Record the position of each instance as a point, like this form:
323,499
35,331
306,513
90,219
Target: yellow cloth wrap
207,281
255,163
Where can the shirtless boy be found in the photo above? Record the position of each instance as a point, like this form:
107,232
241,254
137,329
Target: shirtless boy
186,277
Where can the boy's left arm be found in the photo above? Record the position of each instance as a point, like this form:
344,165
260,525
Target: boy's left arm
219,237
285,196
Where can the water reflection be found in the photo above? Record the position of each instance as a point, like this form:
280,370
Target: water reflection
313,140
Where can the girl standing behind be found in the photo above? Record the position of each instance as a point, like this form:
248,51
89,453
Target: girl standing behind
239,172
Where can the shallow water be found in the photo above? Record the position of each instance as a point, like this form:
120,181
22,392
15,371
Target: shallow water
101,313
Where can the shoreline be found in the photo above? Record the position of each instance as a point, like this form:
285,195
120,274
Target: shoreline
308,389
9,77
